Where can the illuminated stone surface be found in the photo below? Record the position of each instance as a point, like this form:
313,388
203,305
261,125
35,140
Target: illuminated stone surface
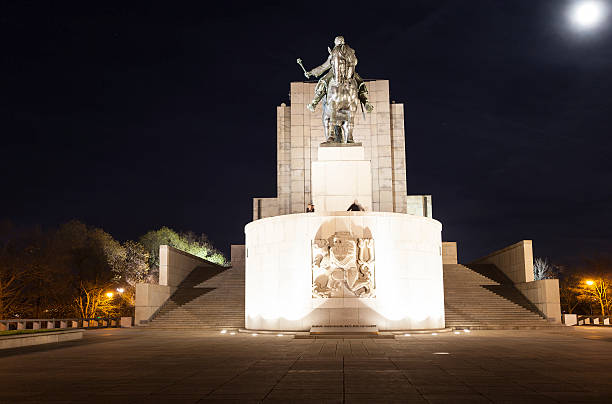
343,266
300,132
339,177
409,290
132,365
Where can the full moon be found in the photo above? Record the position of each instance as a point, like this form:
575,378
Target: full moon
587,14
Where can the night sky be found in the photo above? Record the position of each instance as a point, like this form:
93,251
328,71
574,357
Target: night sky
133,117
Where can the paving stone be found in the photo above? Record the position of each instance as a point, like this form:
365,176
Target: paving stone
153,366
383,398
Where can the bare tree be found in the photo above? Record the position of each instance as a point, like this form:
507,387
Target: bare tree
599,288
543,269
571,293
95,299
9,291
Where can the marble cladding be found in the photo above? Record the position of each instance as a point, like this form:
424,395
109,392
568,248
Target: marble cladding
340,177
340,153
419,205
409,282
283,165
266,207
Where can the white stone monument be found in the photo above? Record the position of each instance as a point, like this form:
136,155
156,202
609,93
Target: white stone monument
340,176
378,267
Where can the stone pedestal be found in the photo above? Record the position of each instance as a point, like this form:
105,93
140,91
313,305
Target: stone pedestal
340,176
409,291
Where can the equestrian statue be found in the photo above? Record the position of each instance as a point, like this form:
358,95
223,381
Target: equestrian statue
342,90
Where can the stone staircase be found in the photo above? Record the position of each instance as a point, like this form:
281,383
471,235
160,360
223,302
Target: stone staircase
479,297
482,297
211,297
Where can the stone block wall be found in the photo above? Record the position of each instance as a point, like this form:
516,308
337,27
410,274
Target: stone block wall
545,295
149,298
237,255
266,207
299,133
283,160
175,265
516,261
449,252
419,205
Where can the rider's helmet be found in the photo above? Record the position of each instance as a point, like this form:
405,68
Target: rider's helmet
339,40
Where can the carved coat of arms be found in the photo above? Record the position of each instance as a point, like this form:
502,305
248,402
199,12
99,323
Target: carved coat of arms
343,266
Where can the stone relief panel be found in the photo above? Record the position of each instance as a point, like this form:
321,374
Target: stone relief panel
343,266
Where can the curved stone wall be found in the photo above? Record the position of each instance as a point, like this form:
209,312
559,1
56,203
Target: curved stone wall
408,272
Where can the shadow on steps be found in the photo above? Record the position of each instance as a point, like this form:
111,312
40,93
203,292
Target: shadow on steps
491,272
201,274
188,290
512,294
506,288
183,296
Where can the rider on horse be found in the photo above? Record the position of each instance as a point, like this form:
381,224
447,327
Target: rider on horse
322,85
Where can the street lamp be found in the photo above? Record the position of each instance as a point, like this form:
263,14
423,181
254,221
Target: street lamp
109,295
120,290
590,283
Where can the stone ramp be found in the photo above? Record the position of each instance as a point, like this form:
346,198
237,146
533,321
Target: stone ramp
482,297
211,297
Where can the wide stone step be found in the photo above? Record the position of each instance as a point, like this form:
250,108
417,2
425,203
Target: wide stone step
205,300
475,300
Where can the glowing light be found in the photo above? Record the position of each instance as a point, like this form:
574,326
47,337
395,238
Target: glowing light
466,330
279,335
434,333
587,14
109,295
232,333
457,332
406,335
590,283
120,290
254,335
223,331
441,353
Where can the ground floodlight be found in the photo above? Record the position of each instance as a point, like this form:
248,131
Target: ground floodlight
434,333
406,335
466,330
223,331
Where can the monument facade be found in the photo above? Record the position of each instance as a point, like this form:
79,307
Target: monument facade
375,267
367,255
300,132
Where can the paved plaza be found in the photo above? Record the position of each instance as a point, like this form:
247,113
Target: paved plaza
135,365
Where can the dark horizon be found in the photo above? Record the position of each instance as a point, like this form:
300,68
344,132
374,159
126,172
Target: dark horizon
132,118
